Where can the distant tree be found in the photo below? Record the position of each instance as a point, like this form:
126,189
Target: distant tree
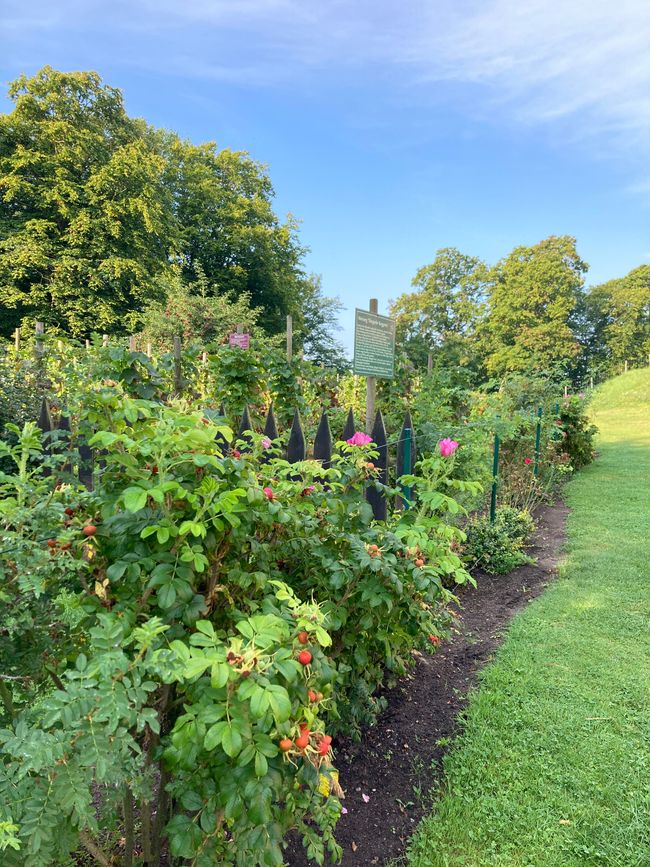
442,314
317,324
533,293
623,306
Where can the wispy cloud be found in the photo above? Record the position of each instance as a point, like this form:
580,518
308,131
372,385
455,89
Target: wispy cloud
582,66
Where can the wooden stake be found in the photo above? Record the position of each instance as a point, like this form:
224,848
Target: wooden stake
178,378
289,338
104,339
371,383
39,330
133,345
17,339
430,364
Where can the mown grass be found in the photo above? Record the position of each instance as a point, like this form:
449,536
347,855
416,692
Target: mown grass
553,767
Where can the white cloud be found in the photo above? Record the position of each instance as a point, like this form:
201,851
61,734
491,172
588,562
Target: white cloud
581,66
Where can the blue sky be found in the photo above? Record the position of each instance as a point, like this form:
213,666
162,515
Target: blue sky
390,129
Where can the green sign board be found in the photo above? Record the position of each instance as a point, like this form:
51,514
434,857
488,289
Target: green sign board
374,345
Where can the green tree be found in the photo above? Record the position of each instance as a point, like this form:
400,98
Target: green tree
85,217
96,206
441,315
533,293
622,307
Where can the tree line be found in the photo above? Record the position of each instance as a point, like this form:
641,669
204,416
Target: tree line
108,224
530,311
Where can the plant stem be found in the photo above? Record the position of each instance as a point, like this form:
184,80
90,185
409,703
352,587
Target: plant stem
91,846
127,860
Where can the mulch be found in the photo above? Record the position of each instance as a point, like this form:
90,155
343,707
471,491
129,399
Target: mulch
387,776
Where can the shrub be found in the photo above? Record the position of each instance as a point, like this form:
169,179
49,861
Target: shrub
497,547
576,441
178,643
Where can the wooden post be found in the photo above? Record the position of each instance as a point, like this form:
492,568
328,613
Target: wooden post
289,338
17,339
626,366
39,330
148,350
591,381
87,343
566,390
178,376
430,364
371,383
132,344
239,328
104,339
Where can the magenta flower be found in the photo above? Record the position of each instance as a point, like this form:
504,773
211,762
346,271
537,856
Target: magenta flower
447,447
268,493
266,443
359,439
528,461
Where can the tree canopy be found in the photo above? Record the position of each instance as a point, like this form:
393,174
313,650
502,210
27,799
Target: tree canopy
96,208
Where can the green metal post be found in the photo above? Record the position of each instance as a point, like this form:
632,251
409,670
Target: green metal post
495,476
538,439
406,489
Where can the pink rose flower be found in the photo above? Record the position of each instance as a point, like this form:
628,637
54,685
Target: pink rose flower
528,461
359,439
266,443
447,447
268,493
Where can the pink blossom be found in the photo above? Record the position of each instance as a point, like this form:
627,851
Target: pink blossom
308,490
359,439
266,443
447,447
344,811
268,493
528,461
365,797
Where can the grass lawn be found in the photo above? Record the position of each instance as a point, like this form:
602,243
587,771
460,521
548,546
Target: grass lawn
553,767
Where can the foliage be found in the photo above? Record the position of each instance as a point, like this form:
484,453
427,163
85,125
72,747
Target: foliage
194,312
532,294
497,547
441,315
577,433
316,324
165,608
94,206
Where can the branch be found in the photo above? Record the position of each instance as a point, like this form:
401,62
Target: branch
92,847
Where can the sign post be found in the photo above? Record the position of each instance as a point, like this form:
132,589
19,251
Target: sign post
374,353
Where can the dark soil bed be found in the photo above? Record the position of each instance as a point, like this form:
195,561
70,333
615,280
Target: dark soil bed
392,766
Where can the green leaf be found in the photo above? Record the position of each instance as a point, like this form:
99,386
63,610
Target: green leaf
220,674
134,499
214,735
195,666
279,702
231,740
261,764
259,702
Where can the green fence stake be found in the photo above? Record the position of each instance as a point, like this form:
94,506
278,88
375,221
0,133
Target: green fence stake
538,439
495,476
406,489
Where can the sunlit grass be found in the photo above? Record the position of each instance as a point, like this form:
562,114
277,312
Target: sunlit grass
553,768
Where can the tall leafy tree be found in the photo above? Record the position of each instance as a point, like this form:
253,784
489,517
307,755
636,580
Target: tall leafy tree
533,294
96,207
85,217
441,315
619,319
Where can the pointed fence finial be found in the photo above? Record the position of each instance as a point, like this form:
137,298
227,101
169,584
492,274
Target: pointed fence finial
323,442
376,498
297,448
